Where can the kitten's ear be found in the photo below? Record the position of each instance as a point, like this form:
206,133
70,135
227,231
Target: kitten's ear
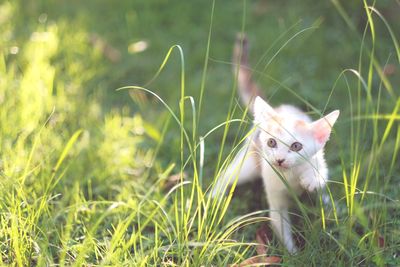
262,110
322,128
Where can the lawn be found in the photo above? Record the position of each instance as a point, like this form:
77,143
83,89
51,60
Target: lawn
116,117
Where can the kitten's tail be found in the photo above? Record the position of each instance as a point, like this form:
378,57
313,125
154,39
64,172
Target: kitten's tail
247,88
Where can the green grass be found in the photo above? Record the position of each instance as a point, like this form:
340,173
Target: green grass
85,168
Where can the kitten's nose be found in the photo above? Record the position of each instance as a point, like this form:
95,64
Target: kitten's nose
280,161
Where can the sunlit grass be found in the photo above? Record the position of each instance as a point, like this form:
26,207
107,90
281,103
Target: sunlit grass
86,185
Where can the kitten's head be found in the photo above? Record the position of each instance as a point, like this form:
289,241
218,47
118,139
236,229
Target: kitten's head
289,141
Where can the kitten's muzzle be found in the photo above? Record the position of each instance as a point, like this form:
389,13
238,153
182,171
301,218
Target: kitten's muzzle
280,161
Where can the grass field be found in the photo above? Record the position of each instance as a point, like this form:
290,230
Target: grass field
116,117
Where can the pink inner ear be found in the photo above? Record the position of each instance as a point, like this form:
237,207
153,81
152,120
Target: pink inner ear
321,136
321,133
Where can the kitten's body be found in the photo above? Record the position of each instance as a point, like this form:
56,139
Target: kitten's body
272,151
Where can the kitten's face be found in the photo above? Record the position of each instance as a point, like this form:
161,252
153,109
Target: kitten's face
289,141
286,142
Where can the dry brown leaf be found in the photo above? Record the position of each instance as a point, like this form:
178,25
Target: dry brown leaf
174,180
389,69
263,237
257,260
381,241
108,51
139,97
261,8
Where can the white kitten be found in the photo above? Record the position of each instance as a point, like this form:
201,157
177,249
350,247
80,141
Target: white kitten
285,149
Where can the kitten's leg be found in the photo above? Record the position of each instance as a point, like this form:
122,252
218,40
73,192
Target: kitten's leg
314,174
312,179
243,168
278,206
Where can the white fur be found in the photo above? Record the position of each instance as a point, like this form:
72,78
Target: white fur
302,170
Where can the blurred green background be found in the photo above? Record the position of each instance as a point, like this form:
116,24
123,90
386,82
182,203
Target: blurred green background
94,38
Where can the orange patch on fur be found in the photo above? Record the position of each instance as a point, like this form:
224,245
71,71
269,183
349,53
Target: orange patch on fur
275,125
254,153
300,124
273,129
278,130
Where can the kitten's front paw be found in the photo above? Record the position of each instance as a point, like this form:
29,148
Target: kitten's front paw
311,183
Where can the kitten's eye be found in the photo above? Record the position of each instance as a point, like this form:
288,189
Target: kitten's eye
296,146
271,142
